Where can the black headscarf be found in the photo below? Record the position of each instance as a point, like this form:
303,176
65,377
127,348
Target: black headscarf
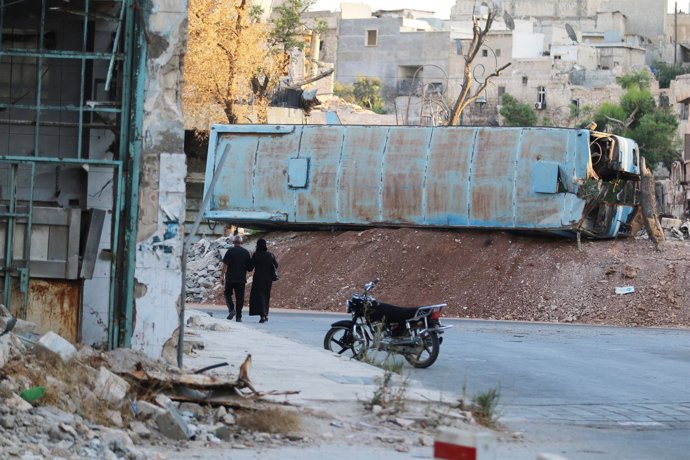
261,245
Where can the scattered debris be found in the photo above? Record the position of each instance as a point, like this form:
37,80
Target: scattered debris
204,268
625,290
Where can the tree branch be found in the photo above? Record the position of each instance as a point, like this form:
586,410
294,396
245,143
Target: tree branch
299,84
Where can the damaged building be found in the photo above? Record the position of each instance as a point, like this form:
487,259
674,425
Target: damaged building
92,167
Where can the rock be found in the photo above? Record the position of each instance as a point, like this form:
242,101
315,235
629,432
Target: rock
54,343
17,403
124,360
426,441
223,327
172,425
24,327
376,409
221,412
195,409
140,429
120,443
229,419
69,429
109,386
403,422
147,410
223,432
213,439
10,347
115,417
54,416
294,436
55,434
163,401
7,421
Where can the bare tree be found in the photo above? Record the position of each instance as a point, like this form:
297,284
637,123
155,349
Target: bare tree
466,97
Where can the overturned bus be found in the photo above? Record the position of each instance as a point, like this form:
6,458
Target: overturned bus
325,176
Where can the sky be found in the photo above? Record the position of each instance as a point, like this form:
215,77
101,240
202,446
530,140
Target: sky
440,7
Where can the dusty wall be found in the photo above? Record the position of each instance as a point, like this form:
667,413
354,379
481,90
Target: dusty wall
393,49
162,194
678,26
621,57
643,17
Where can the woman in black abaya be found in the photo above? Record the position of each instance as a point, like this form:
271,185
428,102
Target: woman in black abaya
263,262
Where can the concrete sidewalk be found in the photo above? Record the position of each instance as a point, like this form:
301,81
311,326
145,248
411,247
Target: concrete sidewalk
331,387
279,364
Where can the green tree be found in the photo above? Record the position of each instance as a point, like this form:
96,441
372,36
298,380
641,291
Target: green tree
365,92
606,118
516,113
656,136
288,28
638,117
642,79
666,72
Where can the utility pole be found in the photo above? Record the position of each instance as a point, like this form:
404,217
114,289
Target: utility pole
675,33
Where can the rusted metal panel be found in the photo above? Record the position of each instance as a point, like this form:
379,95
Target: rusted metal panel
543,209
54,305
492,177
402,175
522,178
317,202
358,192
446,195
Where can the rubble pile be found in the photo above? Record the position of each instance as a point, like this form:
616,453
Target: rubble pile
204,268
674,230
64,402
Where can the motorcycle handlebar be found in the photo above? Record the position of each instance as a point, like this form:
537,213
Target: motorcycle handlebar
370,285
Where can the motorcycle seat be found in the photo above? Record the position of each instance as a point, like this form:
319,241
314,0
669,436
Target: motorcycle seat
394,314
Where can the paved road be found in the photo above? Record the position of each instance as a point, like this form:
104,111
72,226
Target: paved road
585,392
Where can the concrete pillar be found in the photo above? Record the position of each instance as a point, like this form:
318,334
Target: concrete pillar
162,194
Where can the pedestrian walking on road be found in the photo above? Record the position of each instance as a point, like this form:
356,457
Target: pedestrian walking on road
236,263
265,266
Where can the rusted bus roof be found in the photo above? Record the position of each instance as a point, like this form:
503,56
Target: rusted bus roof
486,177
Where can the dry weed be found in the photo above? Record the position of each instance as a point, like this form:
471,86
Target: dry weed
270,420
68,386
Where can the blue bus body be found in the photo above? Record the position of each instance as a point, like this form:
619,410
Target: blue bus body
326,176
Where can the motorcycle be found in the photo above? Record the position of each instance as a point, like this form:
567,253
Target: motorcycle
414,333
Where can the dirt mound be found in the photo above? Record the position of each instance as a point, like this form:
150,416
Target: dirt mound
489,275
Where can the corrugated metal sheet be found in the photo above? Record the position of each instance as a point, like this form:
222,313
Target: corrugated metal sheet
399,175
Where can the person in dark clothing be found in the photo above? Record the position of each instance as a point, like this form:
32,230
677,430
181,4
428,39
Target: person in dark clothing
236,263
260,296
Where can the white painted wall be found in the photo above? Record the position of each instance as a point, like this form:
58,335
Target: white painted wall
527,45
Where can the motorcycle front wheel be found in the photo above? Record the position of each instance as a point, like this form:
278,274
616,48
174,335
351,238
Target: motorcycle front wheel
426,353
346,340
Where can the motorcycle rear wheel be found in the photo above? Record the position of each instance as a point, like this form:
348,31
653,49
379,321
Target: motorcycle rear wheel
346,340
427,352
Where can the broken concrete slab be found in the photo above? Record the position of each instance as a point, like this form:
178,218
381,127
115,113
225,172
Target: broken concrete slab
140,429
172,425
24,327
109,386
54,343
147,410
17,403
10,346
669,223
